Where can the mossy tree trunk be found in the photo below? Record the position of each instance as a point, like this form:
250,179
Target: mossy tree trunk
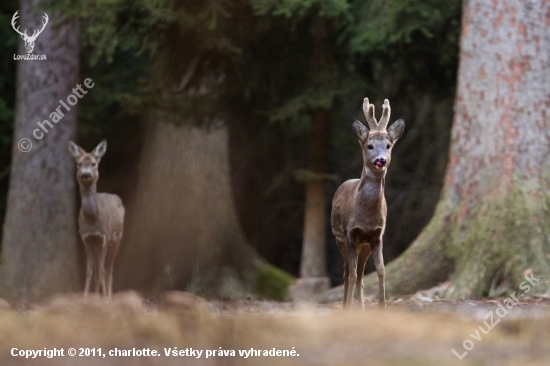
492,223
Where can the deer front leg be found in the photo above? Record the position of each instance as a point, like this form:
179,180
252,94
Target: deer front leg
101,269
89,268
343,250
352,273
97,256
379,264
363,257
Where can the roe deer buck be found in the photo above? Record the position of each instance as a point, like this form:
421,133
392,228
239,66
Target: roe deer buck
359,208
100,221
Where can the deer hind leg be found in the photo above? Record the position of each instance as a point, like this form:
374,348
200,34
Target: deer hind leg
363,257
95,249
352,272
89,268
109,263
344,252
379,264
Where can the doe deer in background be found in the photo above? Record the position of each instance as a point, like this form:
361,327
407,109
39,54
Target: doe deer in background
100,221
359,207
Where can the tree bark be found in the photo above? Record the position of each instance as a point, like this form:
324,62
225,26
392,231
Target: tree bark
491,226
183,229
314,245
39,249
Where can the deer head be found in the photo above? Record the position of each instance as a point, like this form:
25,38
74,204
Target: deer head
29,40
87,172
377,142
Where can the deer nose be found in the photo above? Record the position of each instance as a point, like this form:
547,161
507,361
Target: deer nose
86,176
380,162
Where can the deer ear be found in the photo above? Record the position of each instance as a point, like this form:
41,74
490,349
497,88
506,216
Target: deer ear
75,150
100,149
360,130
396,130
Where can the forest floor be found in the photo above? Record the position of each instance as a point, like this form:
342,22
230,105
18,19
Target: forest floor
414,330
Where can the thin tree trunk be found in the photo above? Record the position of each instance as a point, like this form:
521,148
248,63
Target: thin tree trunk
313,265
314,246
491,227
39,249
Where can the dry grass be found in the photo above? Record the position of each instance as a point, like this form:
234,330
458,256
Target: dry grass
321,334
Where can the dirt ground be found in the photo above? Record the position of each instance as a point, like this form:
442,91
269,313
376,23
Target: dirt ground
414,330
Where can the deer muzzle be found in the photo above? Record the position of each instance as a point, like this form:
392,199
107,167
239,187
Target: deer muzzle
380,162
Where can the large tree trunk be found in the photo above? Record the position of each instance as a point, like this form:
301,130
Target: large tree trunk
183,228
39,252
491,226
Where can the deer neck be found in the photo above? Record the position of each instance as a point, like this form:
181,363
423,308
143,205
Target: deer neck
371,186
88,195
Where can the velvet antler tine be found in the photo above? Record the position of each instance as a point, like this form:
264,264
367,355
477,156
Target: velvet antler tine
386,111
368,109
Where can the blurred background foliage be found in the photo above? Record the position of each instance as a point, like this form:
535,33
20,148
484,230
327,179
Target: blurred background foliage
268,76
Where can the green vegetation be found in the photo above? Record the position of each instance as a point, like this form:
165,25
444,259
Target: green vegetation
272,283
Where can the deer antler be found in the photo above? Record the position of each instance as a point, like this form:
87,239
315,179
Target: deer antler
386,111
368,109
13,19
374,125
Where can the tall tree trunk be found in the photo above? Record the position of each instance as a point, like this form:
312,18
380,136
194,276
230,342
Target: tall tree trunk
313,265
491,226
39,246
183,230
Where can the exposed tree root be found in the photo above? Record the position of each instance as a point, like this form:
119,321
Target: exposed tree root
478,247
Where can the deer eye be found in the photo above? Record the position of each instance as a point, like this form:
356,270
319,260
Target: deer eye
79,164
93,164
388,146
370,147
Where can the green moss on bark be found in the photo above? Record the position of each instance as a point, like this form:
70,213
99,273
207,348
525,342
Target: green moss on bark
504,238
476,246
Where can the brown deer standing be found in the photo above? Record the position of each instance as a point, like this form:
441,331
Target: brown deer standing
359,208
100,221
